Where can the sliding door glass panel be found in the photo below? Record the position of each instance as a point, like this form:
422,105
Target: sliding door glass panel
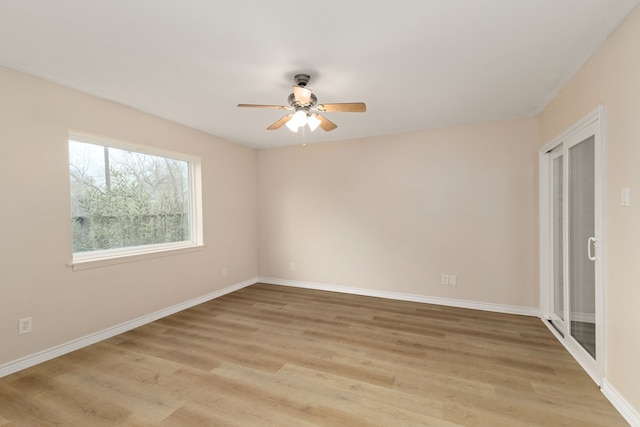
582,283
558,243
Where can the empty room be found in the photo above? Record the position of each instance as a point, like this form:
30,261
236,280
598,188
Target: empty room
342,213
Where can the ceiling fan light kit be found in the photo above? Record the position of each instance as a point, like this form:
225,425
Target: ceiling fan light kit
298,120
305,107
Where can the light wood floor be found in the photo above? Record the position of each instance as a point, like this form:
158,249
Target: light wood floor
275,356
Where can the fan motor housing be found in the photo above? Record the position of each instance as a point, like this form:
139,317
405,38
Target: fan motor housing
292,101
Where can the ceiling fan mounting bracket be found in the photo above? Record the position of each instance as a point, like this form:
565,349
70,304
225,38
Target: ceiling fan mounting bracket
302,79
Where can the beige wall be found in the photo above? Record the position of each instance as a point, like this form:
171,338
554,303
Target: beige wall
612,78
393,213
35,229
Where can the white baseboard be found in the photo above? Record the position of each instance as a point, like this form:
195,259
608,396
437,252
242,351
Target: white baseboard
53,352
626,410
499,308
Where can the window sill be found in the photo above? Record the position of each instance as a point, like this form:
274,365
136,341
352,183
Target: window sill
126,258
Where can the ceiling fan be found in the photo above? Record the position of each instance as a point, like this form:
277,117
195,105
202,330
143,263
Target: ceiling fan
306,110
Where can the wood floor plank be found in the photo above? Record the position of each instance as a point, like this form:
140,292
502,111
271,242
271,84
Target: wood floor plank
276,356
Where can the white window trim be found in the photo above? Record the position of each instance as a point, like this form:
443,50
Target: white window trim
101,258
149,252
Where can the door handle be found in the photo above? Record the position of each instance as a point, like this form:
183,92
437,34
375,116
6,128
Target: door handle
592,241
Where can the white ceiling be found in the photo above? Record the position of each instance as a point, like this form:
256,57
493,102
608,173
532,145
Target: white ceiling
418,64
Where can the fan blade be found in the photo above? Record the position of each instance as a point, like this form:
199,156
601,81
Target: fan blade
347,107
302,95
279,123
277,107
326,124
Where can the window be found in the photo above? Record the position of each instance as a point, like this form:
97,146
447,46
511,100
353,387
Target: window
130,200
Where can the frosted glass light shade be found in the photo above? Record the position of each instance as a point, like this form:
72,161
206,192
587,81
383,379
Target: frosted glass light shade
292,125
313,121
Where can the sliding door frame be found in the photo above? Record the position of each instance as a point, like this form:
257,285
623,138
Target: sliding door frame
594,121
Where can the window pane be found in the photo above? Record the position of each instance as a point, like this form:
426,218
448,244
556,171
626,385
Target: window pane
122,199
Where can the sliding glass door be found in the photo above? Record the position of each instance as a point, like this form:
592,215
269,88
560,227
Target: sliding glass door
574,290
582,245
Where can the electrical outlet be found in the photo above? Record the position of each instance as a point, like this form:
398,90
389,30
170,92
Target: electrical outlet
225,271
445,279
292,266
24,326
